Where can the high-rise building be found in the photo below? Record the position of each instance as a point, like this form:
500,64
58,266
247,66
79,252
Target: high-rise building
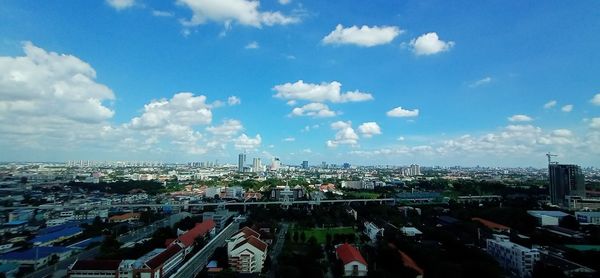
565,180
275,164
256,165
305,164
415,170
241,162
324,165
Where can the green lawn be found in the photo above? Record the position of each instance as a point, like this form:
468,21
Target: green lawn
361,195
320,233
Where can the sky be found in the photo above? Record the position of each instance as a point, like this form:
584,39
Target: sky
492,83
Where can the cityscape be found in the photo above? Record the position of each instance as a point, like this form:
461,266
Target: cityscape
299,138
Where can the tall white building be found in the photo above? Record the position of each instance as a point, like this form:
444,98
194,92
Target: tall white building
241,162
415,170
516,259
256,165
275,164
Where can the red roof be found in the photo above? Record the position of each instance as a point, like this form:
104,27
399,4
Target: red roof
348,253
201,229
249,232
490,224
163,256
254,241
96,265
410,263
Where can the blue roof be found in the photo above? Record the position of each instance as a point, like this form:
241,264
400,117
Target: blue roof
49,230
30,254
58,234
553,213
16,222
86,242
589,213
212,264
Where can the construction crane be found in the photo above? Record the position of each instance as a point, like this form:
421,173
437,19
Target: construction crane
549,155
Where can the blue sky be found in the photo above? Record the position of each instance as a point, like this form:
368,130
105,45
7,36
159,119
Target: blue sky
376,82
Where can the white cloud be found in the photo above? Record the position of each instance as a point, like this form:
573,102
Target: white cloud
550,104
596,100
227,128
233,100
520,118
595,123
243,142
402,113
45,96
244,12
289,139
364,36
481,82
315,110
285,2
121,4
369,129
252,45
162,13
567,108
429,44
318,92
400,138
183,109
345,134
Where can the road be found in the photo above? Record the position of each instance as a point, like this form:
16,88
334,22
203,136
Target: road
277,247
59,269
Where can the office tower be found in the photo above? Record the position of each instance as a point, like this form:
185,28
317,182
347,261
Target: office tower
305,164
323,164
256,165
275,164
241,162
565,180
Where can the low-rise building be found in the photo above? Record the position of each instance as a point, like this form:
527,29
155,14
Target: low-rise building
411,231
246,251
372,231
127,217
353,261
516,259
36,257
588,217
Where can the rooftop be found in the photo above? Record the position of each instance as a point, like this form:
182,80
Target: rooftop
96,265
30,254
348,253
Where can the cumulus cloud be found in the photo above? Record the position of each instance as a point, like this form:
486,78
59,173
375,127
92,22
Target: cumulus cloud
364,36
550,104
233,100
243,142
183,109
520,118
345,134
244,12
429,44
567,108
596,100
227,128
45,95
252,45
318,92
121,4
400,112
481,82
289,139
369,129
315,110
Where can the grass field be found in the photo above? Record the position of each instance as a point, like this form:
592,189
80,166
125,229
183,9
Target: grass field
362,195
320,233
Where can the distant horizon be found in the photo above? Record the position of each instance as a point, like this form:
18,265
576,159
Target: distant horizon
370,83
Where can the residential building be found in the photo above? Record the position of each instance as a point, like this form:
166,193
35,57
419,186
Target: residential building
256,165
127,217
187,240
516,259
241,162
372,231
219,217
159,262
246,251
565,180
353,261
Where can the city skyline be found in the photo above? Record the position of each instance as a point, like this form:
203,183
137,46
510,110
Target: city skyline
374,83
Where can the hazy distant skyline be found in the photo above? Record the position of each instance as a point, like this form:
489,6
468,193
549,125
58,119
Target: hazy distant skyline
369,83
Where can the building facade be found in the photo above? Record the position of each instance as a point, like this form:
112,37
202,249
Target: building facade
565,180
514,258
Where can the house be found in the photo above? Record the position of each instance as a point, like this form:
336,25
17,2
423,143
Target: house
127,217
354,263
246,251
411,231
36,257
187,240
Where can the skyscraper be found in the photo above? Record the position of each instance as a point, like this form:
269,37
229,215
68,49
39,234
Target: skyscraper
241,162
256,165
305,164
565,180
